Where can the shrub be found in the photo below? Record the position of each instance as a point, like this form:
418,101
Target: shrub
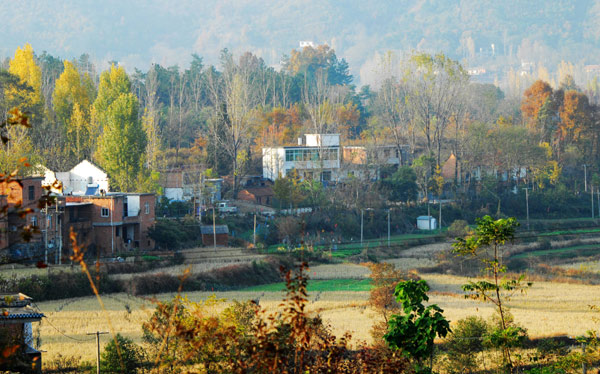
153,284
458,228
464,343
125,361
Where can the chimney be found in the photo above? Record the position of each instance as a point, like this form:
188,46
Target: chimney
300,141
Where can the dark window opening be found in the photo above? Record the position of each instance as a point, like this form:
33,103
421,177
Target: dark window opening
31,192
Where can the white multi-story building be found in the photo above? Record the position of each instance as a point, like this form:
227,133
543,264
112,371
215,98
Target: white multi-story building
317,156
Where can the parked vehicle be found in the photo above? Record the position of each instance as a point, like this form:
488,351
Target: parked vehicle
224,207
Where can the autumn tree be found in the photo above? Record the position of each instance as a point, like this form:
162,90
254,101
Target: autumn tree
575,117
320,60
534,98
384,278
122,144
24,66
71,102
435,87
234,101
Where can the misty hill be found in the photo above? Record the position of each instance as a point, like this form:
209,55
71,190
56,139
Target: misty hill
138,32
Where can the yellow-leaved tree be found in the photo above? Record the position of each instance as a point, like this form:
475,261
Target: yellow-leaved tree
71,101
23,65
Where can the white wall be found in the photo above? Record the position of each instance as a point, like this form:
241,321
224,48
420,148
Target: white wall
133,205
174,193
76,180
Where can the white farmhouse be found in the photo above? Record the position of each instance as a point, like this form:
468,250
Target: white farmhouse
84,178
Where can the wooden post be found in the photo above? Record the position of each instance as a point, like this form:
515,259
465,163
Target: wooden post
97,333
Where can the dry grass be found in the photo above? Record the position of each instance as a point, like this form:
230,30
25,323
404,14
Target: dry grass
22,271
547,309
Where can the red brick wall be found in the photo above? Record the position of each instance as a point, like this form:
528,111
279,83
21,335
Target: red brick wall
147,220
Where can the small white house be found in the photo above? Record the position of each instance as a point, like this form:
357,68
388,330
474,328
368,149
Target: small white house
84,178
426,223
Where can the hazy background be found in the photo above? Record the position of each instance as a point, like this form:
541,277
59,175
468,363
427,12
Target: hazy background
137,33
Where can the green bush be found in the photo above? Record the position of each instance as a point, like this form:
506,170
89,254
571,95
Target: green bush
128,360
458,228
464,343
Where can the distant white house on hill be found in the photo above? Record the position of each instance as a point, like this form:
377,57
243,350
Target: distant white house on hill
84,178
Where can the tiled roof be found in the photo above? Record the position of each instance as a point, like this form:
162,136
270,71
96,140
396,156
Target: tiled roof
219,229
19,314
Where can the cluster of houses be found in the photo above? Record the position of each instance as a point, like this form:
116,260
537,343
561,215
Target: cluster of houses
106,222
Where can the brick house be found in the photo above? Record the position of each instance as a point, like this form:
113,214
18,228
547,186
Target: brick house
119,221
109,223
18,195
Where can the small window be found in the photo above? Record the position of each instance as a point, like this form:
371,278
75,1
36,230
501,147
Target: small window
31,192
34,221
118,231
326,176
105,212
147,208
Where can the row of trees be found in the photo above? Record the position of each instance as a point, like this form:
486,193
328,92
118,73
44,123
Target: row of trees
137,125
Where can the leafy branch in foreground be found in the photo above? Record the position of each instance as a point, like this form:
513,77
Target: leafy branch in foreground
487,244
415,330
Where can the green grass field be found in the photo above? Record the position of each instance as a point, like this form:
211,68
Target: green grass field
350,249
579,250
327,285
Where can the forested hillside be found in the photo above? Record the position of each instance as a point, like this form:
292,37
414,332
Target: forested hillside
137,33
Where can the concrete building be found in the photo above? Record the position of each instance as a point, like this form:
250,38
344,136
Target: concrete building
317,156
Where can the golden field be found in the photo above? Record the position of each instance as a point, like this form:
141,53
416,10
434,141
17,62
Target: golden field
546,309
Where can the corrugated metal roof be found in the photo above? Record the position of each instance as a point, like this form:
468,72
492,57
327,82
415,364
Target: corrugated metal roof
219,229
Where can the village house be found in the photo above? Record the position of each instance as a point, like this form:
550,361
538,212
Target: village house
317,156
105,222
17,196
322,157
16,317
113,222
84,178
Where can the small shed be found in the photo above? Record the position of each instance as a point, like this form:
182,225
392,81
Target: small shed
221,231
16,316
426,223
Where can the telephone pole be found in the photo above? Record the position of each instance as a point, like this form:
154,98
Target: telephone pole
527,204
97,333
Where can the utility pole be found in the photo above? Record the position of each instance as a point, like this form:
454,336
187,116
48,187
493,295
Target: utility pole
585,177
428,214
527,204
361,226
440,217
214,230
46,234
254,235
57,254
592,193
97,333
389,227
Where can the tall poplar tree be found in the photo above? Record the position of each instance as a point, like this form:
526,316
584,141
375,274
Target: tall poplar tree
23,65
71,101
122,143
